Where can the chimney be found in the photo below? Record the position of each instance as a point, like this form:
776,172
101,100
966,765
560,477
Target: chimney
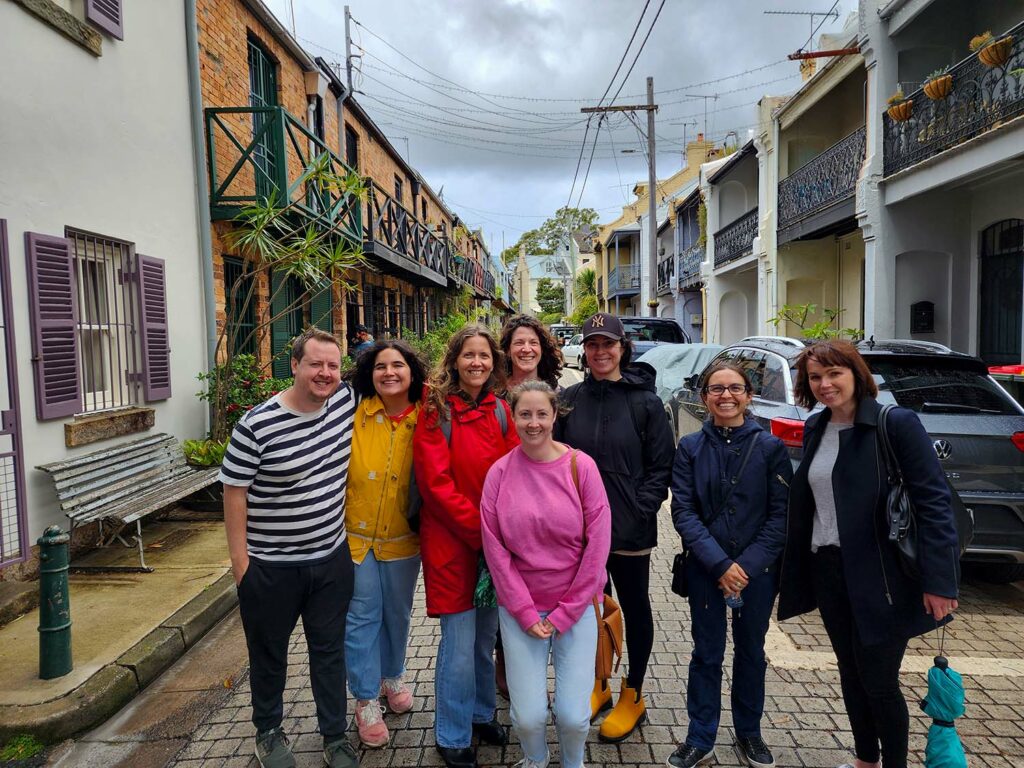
807,68
698,151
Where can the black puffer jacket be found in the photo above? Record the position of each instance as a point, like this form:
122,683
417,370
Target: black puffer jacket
622,426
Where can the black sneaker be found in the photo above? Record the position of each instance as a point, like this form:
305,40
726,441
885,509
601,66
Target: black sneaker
755,752
687,756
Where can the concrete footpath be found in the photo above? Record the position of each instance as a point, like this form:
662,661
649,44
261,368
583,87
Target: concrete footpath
127,628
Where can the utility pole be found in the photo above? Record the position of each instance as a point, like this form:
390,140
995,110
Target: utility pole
652,181
348,48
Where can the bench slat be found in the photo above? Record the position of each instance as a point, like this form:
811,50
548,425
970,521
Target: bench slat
88,488
69,476
128,488
58,466
156,497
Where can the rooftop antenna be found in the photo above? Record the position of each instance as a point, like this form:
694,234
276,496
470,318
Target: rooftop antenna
802,54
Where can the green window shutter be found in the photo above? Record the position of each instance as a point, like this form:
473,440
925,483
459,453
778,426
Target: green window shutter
280,328
321,307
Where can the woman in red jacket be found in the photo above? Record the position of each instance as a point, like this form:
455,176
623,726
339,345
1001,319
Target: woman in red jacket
460,435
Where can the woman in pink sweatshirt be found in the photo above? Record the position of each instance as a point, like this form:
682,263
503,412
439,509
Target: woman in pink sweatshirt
546,530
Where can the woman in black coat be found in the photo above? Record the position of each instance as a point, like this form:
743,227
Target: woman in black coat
838,558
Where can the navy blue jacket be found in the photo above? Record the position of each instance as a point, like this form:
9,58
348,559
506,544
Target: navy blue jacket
886,603
622,426
751,530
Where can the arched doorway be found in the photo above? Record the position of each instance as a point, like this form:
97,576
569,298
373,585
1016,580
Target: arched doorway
1001,292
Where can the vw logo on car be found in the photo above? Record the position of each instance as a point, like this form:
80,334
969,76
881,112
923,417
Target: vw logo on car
942,449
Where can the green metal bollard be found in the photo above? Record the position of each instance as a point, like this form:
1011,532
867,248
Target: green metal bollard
54,605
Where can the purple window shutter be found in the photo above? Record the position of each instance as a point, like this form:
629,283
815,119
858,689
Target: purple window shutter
53,315
156,349
106,15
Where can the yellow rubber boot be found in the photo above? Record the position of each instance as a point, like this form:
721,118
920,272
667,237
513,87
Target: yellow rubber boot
629,712
600,699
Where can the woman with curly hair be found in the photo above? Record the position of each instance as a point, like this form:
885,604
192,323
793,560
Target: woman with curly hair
531,352
464,429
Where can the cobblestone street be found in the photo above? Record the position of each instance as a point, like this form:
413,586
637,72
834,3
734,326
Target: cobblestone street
804,721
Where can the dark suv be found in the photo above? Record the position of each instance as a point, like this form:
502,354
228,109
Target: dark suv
976,427
648,332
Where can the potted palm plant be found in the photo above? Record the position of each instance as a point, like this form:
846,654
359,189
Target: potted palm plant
938,84
900,107
992,52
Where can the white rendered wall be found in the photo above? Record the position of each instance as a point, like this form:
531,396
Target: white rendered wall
102,144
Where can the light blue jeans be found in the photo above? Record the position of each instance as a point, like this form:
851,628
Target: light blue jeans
377,632
464,677
526,667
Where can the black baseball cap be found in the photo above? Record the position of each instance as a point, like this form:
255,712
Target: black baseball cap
604,324
362,329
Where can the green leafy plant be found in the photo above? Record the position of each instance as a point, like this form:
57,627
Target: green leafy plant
801,315
432,344
936,74
980,41
896,98
234,387
702,223
585,307
21,747
204,453
550,296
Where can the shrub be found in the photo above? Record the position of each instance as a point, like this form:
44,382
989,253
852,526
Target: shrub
234,388
980,41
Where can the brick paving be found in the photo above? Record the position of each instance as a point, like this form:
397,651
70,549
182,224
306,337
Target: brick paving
804,720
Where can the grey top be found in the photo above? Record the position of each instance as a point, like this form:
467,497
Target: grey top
819,477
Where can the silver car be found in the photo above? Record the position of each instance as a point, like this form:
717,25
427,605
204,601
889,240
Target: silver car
572,352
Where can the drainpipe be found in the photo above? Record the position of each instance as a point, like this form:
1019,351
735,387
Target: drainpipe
202,192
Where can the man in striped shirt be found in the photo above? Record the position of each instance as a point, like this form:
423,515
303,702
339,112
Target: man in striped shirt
284,477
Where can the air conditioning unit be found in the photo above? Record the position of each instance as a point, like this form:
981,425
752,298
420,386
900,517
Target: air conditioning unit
697,319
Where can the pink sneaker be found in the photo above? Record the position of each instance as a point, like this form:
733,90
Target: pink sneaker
399,696
370,724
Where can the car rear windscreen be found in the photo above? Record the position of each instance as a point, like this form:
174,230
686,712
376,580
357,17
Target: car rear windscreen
941,387
638,330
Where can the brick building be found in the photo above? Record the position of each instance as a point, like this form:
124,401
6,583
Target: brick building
270,110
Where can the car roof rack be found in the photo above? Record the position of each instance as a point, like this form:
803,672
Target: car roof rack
932,345
789,341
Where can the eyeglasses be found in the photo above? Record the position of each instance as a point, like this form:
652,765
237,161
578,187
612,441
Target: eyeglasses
719,389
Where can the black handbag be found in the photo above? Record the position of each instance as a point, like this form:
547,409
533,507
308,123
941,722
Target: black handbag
679,581
901,519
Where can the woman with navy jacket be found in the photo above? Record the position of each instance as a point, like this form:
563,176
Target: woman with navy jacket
838,558
730,484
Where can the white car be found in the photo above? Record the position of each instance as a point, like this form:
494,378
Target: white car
572,352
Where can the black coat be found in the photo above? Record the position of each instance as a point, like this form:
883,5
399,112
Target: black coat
886,603
752,530
622,425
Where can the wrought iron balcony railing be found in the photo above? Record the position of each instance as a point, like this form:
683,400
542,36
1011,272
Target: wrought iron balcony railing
256,154
736,240
394,226
824,181
625,279
689,265
980,98
666,274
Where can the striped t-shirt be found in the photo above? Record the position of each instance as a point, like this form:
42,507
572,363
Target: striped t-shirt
295,466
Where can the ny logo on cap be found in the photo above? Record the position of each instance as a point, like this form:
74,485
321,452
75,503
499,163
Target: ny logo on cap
598,321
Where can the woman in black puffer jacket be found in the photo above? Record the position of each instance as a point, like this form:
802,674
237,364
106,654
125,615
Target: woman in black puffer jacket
616,418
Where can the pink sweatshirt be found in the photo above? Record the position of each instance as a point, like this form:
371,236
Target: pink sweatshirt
532,527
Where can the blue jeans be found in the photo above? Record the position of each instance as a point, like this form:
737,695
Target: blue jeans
464,677
708,627
526,667
377,632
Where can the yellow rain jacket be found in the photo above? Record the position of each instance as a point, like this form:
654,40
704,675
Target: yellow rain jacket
379,474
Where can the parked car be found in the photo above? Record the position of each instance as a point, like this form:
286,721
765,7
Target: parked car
563,332
673,363
572,352
976,427
1010,378
648,332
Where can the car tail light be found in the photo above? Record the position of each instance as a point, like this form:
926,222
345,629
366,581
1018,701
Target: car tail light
791,432
1017,438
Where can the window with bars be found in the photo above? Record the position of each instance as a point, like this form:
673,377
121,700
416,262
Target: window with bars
351,149
241,309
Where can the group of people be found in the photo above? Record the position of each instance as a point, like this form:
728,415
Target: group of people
528,503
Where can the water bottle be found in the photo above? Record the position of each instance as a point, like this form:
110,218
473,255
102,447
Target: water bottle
734,601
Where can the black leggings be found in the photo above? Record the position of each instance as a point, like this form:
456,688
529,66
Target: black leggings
868,675
631,576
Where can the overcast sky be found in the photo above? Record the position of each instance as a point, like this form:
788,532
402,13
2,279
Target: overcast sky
492,114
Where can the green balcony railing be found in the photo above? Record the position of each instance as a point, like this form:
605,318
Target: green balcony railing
255,154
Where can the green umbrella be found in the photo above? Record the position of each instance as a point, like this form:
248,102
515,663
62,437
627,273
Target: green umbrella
944,704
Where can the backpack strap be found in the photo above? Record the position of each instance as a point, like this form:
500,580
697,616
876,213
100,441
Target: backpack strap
499,412
574,470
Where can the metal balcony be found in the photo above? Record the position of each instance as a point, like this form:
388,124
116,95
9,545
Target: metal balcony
820,185
736,240
689,266
666,274
624,280
396,238
981,99
260,154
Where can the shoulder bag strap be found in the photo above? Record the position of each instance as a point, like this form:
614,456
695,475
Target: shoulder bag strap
576,483
892,465
734,482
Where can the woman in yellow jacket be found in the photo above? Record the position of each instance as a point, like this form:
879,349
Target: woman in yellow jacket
389,379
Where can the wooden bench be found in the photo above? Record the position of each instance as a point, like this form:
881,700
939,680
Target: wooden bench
119,486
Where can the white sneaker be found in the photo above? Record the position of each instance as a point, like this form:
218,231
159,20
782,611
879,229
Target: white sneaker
527,763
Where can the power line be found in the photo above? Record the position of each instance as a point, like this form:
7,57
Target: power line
637,57
583,186
625,53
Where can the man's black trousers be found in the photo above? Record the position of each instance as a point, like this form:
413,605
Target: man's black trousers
271,598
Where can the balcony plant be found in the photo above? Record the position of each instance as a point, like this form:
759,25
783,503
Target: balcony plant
900,107
938,84
992,52
803,316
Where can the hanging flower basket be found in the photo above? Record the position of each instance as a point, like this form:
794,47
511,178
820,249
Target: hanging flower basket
901,111
997,53
938,88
